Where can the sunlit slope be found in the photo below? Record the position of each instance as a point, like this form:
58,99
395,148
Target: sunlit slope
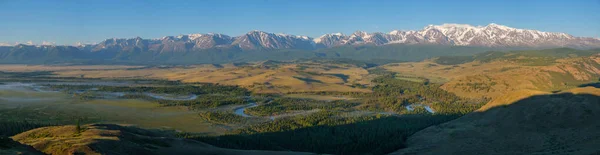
543,123
494,74
115,139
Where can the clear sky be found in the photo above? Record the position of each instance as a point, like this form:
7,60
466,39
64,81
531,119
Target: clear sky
70,21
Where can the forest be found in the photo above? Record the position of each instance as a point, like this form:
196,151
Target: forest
393,94
324,132
330,131
283,105
221,117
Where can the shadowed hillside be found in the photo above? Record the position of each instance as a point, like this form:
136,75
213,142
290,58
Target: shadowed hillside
561,123
597,85
382,135
8,146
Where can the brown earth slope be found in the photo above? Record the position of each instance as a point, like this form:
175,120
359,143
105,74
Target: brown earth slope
560,123
115,139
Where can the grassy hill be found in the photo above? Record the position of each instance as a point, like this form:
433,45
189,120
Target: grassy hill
536,57
116,139
493,74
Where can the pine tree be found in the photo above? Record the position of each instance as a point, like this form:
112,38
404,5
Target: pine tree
78,127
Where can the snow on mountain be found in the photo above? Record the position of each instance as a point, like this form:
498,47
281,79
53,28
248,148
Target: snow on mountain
264,40
500,35
330,40
492,35
5,44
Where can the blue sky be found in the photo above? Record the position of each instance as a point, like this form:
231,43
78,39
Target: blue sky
70,21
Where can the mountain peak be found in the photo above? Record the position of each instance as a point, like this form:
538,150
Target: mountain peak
329,38
257,32
502,27
466,35
453,25
493,34
360,33
293,36
331,34
194,36
494,24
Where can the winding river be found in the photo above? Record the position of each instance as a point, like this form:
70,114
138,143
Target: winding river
411,107
240,110
163,97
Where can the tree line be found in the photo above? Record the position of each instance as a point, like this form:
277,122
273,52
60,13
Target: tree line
325,132
283,105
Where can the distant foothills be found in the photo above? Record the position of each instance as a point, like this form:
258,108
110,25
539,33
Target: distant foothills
431,41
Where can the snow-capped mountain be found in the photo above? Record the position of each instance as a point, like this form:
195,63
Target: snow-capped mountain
181,43
210,40
330,40
500,35
263,40
260,45
492,35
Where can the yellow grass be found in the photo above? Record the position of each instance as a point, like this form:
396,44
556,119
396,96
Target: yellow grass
282,79
118,139
494,79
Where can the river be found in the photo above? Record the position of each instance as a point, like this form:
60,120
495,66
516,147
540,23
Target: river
411,107
240,110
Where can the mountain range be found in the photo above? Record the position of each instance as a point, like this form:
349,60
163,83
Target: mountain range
492,36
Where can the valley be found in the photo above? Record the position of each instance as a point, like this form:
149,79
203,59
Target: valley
353,107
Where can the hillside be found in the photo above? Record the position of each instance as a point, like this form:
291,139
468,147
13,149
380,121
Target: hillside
484,75
493,74
8,146
560,123
116,139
